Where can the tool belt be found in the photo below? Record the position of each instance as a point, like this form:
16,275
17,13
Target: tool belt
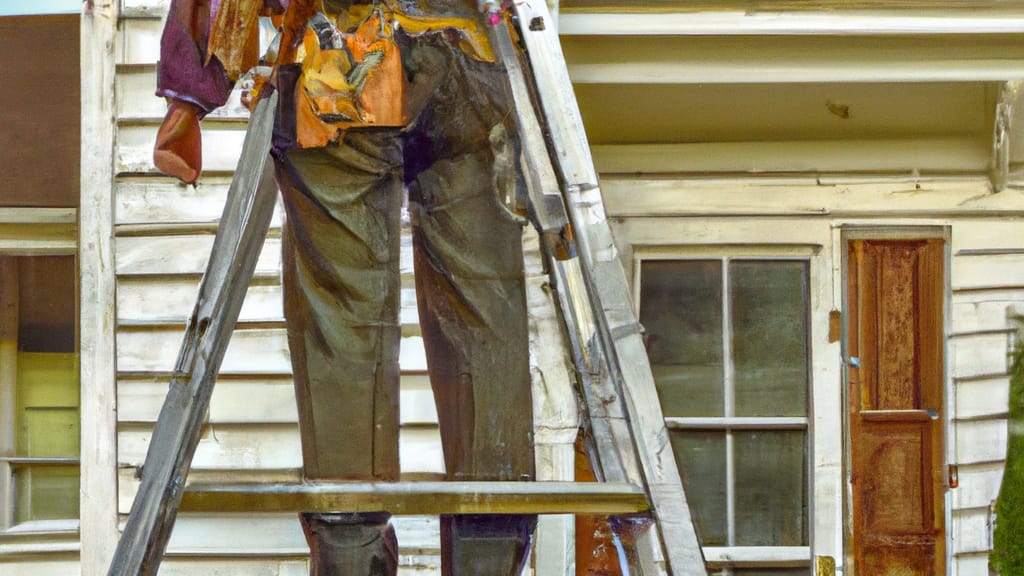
350,79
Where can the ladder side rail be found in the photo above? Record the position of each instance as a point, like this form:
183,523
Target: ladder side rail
617,323
615,460
240,235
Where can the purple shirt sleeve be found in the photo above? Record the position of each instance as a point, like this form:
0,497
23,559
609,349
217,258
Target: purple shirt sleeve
180,72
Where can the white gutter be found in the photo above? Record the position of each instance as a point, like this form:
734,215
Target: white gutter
791,23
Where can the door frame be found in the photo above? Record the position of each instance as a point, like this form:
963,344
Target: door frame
847,234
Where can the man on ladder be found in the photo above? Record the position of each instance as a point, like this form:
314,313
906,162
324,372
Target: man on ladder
389,95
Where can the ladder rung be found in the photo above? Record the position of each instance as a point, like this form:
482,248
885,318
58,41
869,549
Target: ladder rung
420,497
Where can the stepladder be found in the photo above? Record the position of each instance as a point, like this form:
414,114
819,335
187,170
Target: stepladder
628,441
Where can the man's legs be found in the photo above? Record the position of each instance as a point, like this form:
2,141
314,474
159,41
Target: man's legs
467,250
341,286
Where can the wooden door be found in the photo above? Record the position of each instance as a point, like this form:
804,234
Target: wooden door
895,375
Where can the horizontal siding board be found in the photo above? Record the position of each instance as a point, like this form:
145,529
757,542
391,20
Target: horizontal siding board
222,144
980,441
979,485
137,99
977,311
162,200
637,197
50,566
972,564
741,231
274,447
262,351
233,401
984,397
240,401
971,529
980,355
259,351
181,255
987,234
138,42
981,271
173,298
288,566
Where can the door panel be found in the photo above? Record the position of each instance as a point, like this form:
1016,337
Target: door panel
895,374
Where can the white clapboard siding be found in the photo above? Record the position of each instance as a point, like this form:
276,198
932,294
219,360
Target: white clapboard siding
222,143
982,397
258,400
979,485
979,441
156,200
985,310
181,255
139,41
980,354
136,100
976,271
171,299
972,532
144,8
972,564
51,565
974,234
226,447
260,351
666,196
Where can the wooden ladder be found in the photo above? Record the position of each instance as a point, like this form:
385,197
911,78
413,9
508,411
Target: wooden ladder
629,449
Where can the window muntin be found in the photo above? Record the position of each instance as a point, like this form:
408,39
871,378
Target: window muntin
728,343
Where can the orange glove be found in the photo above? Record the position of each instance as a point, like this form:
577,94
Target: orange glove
178,150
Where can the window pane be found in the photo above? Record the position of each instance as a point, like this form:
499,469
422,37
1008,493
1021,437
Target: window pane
771,488
701,459
768,304
46,492
681,310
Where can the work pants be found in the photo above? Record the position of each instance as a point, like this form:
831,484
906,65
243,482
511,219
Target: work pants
342,296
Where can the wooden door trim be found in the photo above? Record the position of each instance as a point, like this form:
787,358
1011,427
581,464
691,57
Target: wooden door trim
848,234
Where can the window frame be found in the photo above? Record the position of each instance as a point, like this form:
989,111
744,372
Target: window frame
28,232
726,558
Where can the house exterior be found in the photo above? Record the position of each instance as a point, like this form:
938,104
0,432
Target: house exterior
819,205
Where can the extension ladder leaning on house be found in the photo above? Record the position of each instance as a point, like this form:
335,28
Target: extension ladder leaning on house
629,449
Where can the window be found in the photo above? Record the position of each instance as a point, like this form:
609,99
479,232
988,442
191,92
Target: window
39,465
728,343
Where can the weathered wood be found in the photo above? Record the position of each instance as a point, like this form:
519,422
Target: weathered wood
980,355
981,398
268,448
61,564
980,441
949,155
9,306
246,217
636,197
745,18
422,498
180,255
594,58
98,508
221,145
247,400
617,333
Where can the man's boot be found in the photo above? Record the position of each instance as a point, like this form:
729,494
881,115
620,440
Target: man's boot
485,544
350,544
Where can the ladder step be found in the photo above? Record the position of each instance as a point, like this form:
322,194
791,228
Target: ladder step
420,498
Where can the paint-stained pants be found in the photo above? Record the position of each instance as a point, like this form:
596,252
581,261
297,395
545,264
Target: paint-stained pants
342,297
